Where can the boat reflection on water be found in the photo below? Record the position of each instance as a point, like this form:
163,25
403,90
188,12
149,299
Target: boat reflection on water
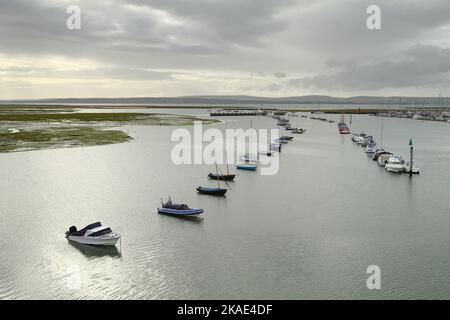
193,219
91,251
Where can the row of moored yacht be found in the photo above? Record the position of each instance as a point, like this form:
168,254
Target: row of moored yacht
391,162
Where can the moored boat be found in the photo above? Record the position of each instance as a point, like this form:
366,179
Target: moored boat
343,129
282,141
93,234
221,176
298,131
378,153
212,190
178,209
246,166
384,158
395,164
371,147
249,158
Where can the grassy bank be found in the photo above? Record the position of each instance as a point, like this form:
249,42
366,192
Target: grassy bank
59,137
116,117
25,128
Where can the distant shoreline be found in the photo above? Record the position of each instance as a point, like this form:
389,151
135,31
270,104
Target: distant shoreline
356,110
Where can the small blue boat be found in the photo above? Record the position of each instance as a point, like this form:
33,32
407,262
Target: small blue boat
178,209
212,191
250,167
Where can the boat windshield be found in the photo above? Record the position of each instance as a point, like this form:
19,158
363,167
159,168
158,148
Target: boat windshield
100,232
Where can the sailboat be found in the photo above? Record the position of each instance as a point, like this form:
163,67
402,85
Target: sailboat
249,161
222,176
213,191
343,129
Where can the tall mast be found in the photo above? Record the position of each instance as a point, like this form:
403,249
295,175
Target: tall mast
217,173
251,135
382,132
226,160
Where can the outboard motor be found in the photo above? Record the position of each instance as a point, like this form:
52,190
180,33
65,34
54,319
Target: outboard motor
72,229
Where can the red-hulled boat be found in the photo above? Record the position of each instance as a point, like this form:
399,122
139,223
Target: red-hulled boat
343,129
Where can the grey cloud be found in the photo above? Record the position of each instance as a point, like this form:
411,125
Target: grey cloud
326,40
233,21
418,66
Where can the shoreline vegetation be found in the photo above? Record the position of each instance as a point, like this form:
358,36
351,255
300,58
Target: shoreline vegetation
29,128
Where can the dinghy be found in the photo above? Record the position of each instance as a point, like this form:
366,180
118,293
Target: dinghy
212,191
246,166
178,209
93,234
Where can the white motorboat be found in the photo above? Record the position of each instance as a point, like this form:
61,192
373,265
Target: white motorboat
93,234
395,164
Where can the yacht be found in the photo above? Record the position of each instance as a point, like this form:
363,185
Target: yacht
371,145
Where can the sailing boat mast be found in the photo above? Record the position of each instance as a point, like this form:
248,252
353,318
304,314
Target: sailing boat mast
251,135
217,173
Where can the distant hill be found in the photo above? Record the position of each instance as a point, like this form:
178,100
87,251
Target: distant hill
233,100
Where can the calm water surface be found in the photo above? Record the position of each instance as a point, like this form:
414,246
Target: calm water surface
308,232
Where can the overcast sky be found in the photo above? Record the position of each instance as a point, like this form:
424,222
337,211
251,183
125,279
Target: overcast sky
236,47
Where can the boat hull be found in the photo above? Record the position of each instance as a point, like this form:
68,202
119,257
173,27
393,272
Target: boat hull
246,167
224,177
395,169
175,212
212,191
103,241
